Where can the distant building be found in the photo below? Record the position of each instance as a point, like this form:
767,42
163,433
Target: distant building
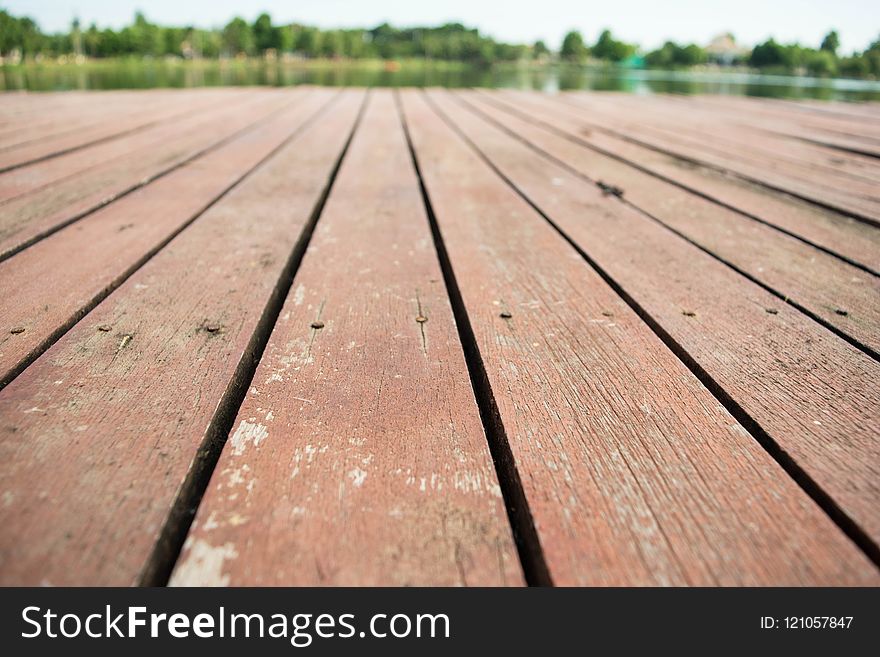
724,50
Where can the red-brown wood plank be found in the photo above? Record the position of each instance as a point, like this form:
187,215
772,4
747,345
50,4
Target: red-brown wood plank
730,127
838,233
358,458
828,130
634,473
710,133
813,394
825,286
31,216
99,434
118,122
43,174
50,120
20,111
42,299
844,193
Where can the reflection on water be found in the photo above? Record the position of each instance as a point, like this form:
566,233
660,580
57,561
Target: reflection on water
137,74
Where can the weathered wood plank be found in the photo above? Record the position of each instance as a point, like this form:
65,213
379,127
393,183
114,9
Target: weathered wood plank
746,132
42,299
724,143
634,473
43,174
812,393
30,217
825,286
826,130
358,458
99,434
118,122
839,192
837,233
21,111
38,124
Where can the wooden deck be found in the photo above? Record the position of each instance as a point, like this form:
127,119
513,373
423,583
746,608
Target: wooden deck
346,337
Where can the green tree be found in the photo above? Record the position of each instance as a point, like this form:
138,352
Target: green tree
540,50
238,38
769,53
821,62
266,35
607,47
332,44
308,42
573,48
146,38
831,42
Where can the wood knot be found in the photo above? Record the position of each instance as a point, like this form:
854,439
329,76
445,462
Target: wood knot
688,313
505,315
104,328
17,330
842,312
212,327
317,325
421,319
772,311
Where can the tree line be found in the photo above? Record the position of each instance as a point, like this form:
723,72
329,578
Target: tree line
453,41
769,56
21,38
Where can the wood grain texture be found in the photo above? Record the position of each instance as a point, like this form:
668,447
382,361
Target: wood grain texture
102,124
109,244
634,473
358,458
829,288
52,116
836,232
99,433
43,174
814,394
829,131
742,136
838,190
140,159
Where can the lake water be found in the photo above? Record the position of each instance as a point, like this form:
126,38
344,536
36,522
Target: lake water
137,74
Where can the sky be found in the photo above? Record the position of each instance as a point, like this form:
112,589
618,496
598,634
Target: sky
646,22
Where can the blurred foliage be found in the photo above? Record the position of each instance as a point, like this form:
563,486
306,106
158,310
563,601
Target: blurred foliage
22,40
451,42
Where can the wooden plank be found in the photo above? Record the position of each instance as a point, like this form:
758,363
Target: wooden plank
20,111
37,125
634,473
809,392
44,173
844,195
358,458
117,122
43,300
837,233
708,133
828,288
100,433
828,130
768,133
32,216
